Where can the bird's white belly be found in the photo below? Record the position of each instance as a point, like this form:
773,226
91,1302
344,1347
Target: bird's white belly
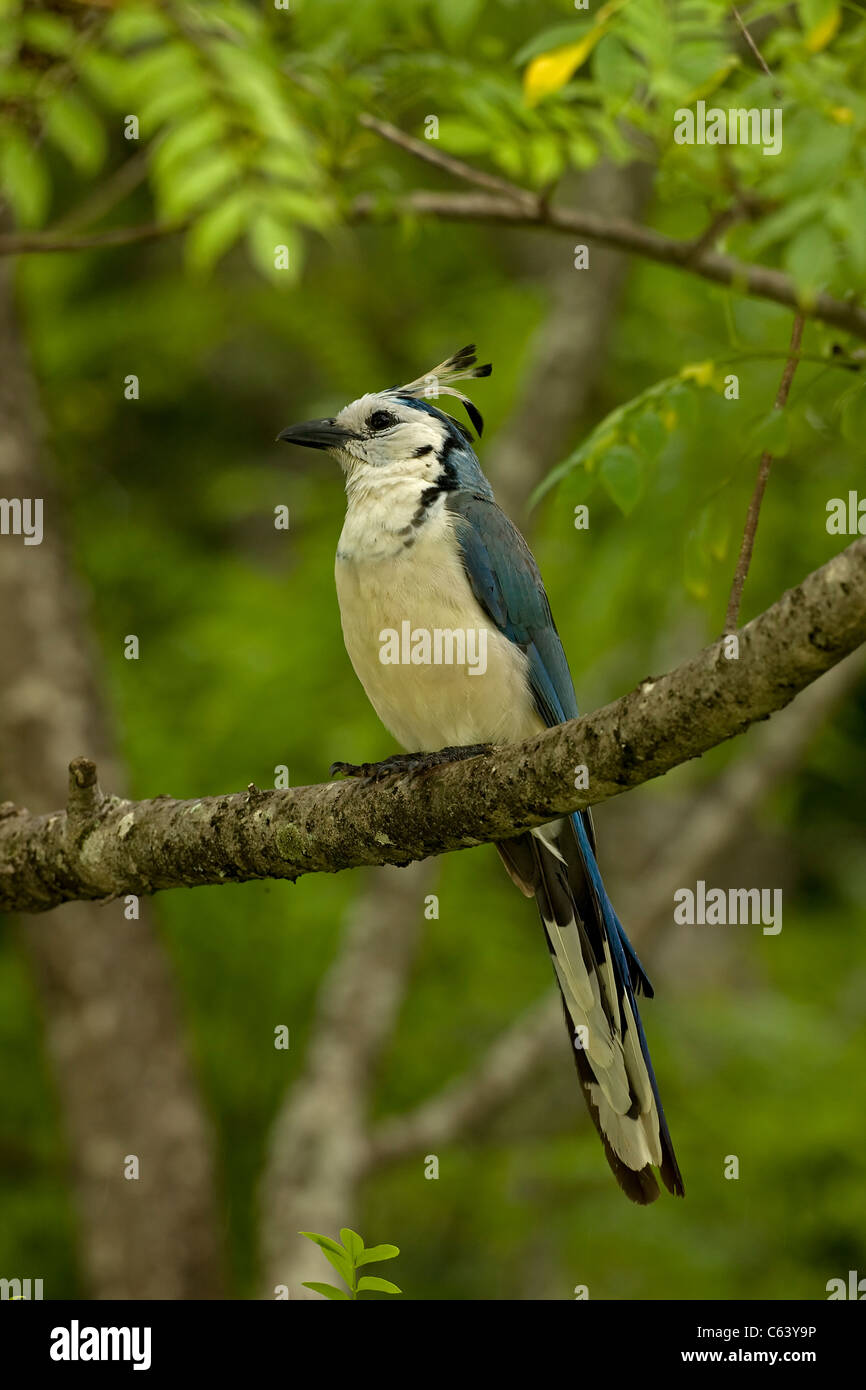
430,704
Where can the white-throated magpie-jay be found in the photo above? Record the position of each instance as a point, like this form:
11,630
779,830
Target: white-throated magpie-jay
449,629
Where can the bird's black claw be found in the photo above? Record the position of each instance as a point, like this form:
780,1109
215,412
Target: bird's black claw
351,769
407,763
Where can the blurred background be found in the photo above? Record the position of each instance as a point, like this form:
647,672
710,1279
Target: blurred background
418,1026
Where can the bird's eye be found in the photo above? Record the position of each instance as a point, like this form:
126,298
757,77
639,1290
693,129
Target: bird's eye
381,420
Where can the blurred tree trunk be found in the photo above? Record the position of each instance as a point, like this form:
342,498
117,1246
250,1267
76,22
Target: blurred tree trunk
112,1022
319,1140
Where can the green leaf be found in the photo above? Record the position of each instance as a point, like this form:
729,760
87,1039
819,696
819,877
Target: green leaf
49,33
292,206
813,11
622,472
166,65
820,152
614,68
327,1289
334,1252
648,433
376,1253
342,1264
370,1281
135,25
546,157
352,1242
74,128
509,156
186,139
212,234
171,102
780,225
106,75
244,18
664,395
820,19
255,86
24,179
682,399
462,136
209,176
264,235
324,1242
810,258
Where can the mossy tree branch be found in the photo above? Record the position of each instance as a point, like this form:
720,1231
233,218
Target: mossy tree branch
102,847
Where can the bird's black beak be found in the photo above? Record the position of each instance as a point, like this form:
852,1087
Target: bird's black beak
317,434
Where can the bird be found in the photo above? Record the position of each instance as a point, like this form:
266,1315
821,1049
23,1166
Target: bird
424,551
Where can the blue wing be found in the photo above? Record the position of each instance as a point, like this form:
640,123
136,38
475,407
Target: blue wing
506,581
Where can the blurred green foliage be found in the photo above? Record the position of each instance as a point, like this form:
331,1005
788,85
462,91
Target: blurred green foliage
251,116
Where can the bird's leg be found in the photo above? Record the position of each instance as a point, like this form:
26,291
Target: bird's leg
409,762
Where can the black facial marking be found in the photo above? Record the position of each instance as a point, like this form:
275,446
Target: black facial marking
422,450
446,481
381,420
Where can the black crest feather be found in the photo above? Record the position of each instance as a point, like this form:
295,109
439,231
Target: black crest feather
460,366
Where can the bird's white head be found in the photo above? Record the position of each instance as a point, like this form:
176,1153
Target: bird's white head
399,432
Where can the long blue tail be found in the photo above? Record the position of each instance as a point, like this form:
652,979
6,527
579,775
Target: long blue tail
599,977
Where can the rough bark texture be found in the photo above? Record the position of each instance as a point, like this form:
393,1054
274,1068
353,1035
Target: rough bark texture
112,1023
103,847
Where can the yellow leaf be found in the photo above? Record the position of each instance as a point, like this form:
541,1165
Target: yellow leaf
824,30
701,372
550,71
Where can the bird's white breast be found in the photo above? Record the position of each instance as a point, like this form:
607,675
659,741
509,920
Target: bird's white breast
382,584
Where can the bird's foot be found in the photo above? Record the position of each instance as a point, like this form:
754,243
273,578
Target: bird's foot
408,762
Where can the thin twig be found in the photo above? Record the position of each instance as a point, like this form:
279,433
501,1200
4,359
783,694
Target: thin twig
718,224
426,151
119,184
750,41
21,243
747,544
